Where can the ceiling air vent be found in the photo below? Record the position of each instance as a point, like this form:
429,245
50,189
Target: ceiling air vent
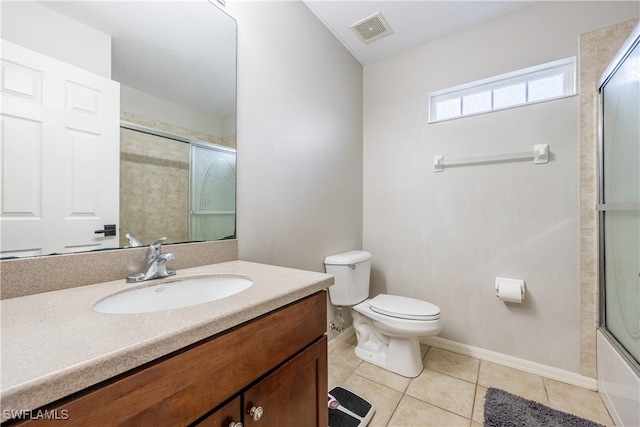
372,28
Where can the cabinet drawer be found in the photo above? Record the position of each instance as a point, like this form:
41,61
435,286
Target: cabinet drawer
182,387
225,416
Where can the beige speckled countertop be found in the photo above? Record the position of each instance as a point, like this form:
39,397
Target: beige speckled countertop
54,344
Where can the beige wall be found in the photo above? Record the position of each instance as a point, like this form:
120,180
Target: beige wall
444,237
597,49
299,137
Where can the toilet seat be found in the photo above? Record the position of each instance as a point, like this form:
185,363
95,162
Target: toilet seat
404,307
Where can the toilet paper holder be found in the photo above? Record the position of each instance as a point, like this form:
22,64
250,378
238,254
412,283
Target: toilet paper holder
510,290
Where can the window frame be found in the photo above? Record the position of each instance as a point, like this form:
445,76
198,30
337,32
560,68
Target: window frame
565,67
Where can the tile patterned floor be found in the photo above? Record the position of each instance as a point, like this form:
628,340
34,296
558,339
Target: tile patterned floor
450,390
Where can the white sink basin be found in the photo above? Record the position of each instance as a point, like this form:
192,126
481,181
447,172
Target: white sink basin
174,294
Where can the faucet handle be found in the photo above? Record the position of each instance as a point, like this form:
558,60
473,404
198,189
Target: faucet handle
155,249
157,243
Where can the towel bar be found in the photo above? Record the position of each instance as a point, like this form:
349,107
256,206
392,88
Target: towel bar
539,155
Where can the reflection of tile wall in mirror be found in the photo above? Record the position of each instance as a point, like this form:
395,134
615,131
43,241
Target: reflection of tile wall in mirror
154,187
154,180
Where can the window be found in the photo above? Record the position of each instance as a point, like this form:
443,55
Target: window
544,82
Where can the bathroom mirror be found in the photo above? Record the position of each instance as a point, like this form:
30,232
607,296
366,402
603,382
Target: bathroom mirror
175,65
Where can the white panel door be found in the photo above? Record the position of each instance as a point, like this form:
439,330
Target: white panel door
59,158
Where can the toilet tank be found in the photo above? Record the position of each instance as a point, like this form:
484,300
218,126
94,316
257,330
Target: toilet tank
351,271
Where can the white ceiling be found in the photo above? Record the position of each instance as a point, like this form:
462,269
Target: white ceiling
413,23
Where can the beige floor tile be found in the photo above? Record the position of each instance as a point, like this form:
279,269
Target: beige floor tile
343,356
423,349
383,376
454,364
444,391
337,375
342,363
413,413
517,382
475,424
577,401
478,405
382,398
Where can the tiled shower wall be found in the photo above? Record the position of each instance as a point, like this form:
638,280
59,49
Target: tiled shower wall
154,181
597,49
154,188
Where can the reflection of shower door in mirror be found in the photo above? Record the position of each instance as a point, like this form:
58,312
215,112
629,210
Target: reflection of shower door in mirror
59,156
213,193
620,203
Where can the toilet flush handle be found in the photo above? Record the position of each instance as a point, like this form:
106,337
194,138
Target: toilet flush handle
352,266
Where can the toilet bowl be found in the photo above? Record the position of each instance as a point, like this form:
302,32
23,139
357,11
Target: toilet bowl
388,327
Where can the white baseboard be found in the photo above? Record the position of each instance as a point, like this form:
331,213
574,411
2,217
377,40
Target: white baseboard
514,362
494,357
340,338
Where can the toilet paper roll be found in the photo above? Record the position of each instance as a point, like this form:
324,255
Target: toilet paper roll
510,290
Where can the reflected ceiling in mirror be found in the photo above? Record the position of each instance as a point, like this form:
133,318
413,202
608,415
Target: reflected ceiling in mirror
175,63
183,52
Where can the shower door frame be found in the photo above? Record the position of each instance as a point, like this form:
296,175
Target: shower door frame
624,51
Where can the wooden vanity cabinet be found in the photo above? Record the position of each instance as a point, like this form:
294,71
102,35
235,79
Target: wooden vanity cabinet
277,362
286,397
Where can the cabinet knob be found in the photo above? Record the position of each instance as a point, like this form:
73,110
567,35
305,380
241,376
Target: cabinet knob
256,413
235,424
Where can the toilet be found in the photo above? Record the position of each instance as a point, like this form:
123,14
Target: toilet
388,327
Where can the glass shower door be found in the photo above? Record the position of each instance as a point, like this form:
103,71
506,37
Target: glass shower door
213,193
620,202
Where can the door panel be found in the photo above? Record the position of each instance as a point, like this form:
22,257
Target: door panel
60,155
620,216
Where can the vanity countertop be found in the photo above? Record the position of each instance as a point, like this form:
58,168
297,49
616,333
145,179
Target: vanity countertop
54,344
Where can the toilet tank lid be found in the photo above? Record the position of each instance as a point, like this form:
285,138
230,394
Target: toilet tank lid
346,258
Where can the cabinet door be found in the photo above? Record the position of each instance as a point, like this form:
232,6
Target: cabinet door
295,394
225,416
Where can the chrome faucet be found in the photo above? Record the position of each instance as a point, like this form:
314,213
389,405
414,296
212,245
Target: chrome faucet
133,241
156,264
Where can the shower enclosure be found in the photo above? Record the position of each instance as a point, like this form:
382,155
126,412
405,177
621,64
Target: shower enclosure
619,222
175,186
